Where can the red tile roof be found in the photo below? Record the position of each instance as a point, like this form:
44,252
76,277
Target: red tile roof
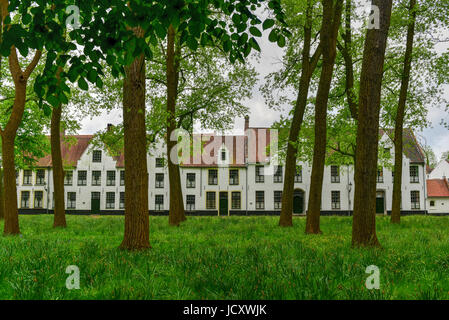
437,188
71,151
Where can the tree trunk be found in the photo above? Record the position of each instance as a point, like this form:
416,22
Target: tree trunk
176,210
364,220
20,79
329,33
2,198
58,170
11,226
136,235
399,121
308,67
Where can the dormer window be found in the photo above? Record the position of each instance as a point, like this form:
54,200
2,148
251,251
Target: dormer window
96,156
223,155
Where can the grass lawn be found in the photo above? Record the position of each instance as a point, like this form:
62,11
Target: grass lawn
225,258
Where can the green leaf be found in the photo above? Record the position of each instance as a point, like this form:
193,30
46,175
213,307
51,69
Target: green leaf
255,31
273,37
281,41
92,75
26,18
268,24
83,84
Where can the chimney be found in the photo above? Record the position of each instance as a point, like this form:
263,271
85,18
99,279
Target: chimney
246,122
245,151
110,126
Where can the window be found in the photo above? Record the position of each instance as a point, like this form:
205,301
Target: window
38,197
71,200
223,155
96,156
211,203
213,177
159,162
96,178
68,178
122,177
122,200
432,203
414,197
25,199
335,198
236,200
278,175
159,202
110,200
380,175
233,177
414,174
335,174
190,180
298,175
40,177
277,199
110,178
260,200
190,202
27,176
159,180
82,178
259,174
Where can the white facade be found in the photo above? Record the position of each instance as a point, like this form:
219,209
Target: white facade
440,171
244,196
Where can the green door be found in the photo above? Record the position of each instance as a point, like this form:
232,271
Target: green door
380,205
95,203
298,202
223,204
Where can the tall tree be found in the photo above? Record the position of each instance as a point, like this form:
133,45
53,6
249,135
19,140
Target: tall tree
364,220
400,113
177,212
308,66
59,219
8,135
331,22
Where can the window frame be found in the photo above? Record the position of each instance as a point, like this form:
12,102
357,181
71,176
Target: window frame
335,176
68,173
335,205
96,182
234,181
82,182
214,179
28,176
41,206
111,182
278,174
414,178
277,195
71,204
97,156
260,205
40,181
209,201
110,204
189,183
259,177
158,205
158,183
189,205
235,201
415,205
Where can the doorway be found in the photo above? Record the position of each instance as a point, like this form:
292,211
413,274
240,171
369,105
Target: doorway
298,201
95,203
380,202
223,204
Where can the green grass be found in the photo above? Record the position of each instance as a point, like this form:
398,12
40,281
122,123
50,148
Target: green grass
225,258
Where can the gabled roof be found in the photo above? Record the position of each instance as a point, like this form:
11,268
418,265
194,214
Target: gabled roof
71,152
437,188
411,147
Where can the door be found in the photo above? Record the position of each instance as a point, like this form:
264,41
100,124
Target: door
298,202
95,203
380,202
223,204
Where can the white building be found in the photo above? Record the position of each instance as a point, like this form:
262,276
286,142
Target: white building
230,181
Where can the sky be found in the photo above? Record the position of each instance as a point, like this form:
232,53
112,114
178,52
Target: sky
437,136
